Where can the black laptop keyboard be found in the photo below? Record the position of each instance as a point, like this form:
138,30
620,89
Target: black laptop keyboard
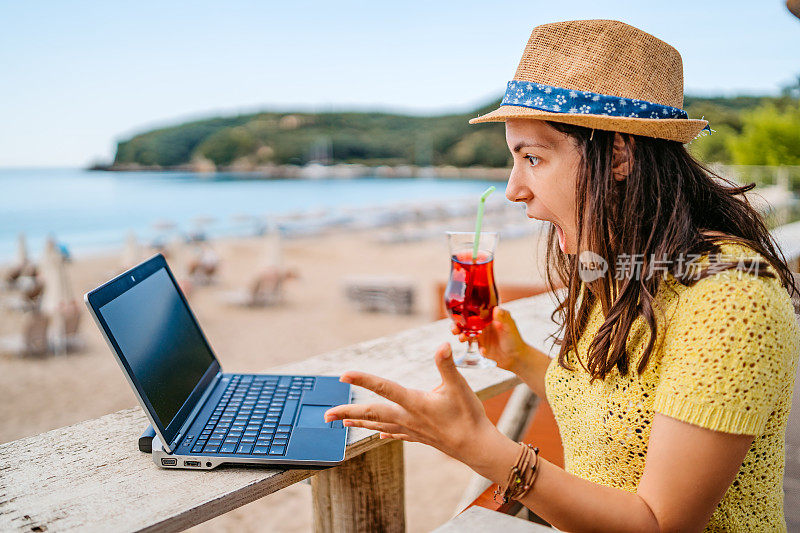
254,416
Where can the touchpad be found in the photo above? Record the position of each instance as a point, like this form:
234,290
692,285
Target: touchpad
313,416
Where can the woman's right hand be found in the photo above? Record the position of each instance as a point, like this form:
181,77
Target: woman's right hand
500,340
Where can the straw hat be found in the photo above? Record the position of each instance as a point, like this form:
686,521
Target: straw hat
794,7
601,74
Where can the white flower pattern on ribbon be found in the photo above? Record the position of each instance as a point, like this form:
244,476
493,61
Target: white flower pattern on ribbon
546,97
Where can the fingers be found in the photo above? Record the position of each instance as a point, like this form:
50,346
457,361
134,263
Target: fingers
397,436
447,368
375,412
383,427
502,318
457,331
380,386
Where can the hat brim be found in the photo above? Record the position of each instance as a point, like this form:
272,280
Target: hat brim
673,129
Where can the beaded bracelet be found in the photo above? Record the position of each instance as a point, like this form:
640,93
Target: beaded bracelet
521,476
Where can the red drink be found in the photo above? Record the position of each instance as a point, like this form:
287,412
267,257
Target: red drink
471,294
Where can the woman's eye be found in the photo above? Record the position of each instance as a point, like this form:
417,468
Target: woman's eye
533,160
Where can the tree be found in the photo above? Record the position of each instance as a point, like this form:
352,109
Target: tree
770,136
484,147
227,145
713,148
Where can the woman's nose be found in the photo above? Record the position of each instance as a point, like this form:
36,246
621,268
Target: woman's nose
516,190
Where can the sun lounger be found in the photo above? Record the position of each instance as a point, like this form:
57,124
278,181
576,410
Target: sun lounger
381,294
202,268
266,289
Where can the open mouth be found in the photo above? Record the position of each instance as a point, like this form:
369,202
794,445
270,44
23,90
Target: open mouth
559,231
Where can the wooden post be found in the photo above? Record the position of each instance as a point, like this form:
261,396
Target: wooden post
365,493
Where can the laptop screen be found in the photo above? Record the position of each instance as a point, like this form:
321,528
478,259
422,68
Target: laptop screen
160,341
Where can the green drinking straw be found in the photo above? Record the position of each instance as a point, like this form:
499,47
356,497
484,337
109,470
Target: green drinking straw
479,222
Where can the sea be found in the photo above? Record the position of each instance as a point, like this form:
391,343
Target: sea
93,211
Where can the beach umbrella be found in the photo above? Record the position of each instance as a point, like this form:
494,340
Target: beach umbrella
57,290
203,220
200,223
178,250
273,249
258,225
243,218
132,252
164,225
22,249
50,268
17,272
163,229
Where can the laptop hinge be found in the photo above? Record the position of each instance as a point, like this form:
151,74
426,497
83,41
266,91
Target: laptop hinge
197,408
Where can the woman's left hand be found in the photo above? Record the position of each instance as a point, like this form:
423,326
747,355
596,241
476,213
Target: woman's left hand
450,417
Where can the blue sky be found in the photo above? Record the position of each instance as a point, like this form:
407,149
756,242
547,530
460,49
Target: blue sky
79,76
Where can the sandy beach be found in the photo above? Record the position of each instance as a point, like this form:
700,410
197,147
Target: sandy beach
37,395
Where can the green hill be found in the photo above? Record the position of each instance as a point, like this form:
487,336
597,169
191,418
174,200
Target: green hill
299,138
253,140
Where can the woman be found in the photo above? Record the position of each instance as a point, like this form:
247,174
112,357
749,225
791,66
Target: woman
677,351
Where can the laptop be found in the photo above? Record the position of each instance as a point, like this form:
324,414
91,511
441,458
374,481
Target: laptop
204,417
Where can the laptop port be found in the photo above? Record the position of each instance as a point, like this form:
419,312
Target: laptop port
191,463
169,462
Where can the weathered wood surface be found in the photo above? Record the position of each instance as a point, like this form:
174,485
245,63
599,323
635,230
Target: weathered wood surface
480,520
90,476
366,493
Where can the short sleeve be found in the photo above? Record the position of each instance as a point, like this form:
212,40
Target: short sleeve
729,353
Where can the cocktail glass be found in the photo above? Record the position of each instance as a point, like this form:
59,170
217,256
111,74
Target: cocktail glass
471,294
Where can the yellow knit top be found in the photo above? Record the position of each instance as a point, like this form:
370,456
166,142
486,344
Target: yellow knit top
725,359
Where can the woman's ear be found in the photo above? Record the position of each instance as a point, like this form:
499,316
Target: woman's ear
622,156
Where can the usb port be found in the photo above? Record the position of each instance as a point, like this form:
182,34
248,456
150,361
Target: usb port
169,462
191,463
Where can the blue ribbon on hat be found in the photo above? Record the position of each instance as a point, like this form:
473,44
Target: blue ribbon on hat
560,100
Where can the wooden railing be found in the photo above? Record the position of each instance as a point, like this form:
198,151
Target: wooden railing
90,476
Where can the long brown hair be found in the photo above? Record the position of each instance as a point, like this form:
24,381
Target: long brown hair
662,211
